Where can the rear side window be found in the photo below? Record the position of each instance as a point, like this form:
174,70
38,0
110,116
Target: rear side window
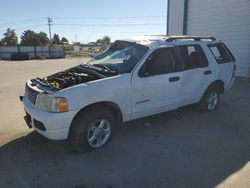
221,53
193,56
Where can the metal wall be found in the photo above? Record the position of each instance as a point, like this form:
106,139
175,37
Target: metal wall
41,52
228,20
176,17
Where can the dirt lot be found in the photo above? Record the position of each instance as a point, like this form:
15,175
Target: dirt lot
182,148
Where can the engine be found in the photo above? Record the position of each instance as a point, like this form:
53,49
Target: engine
67,78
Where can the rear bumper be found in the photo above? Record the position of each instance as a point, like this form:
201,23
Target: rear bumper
54,126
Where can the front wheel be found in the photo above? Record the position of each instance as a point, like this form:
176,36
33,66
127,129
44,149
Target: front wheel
210,100
91,129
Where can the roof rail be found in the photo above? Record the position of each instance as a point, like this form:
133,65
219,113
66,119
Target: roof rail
196,38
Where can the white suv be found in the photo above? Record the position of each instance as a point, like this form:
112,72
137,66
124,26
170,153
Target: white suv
131,79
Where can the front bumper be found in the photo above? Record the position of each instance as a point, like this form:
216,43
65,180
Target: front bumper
54,126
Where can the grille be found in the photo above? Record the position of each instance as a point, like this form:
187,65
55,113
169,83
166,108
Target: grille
31,94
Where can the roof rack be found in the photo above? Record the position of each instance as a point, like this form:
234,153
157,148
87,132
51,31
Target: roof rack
196,38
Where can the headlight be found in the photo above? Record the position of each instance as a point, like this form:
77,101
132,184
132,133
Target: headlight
44,101
50,103
59,104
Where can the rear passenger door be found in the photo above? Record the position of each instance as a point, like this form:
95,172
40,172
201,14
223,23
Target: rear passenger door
197,74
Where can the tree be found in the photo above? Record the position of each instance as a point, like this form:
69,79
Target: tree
42,39
104,40
99,41
56,39
10,38
64,40
31,38
28,38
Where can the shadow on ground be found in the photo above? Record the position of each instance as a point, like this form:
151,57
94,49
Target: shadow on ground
182,148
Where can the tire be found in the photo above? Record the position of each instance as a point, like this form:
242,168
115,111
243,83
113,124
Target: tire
210,100
91,129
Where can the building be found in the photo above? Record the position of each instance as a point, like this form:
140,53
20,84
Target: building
228,20
92,47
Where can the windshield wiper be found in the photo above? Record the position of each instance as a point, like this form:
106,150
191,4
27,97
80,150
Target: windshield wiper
98,67
92,70
102,66
85,65
105,68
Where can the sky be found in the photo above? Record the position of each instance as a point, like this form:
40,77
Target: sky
84,20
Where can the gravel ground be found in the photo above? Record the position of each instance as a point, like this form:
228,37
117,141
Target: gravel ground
181,148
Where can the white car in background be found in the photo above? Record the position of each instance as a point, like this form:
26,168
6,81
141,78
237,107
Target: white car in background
131,79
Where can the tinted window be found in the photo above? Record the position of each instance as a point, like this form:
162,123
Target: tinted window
221,53
161,61
193,56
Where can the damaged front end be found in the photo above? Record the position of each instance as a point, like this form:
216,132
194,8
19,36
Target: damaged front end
74,76
41,91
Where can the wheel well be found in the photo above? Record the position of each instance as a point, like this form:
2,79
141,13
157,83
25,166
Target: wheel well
219,84
114,108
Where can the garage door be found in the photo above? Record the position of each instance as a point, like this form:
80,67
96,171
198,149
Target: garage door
228,20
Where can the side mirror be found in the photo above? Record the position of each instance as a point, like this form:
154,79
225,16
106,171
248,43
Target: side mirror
144,71
143,74
146,74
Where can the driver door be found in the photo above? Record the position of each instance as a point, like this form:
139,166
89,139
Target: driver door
156,85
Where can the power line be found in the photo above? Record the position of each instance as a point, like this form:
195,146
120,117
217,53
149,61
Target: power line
114,18
27,27
110,25
87,25
23,21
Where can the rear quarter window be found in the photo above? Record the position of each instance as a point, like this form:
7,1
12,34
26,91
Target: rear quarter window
221,53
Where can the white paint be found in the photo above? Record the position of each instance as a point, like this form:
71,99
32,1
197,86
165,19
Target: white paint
154,94
135,96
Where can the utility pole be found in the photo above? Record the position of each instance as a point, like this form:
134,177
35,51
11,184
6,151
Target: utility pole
76,37
49,24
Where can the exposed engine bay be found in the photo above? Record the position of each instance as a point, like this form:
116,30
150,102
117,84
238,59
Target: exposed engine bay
74,76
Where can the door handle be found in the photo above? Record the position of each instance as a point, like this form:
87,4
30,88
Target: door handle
174,79
207,72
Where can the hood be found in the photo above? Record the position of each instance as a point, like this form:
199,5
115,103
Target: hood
73,76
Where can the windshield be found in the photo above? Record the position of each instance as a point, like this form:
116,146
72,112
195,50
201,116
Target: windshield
120,57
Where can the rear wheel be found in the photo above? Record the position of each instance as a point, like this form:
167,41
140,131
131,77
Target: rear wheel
210,100
91,129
